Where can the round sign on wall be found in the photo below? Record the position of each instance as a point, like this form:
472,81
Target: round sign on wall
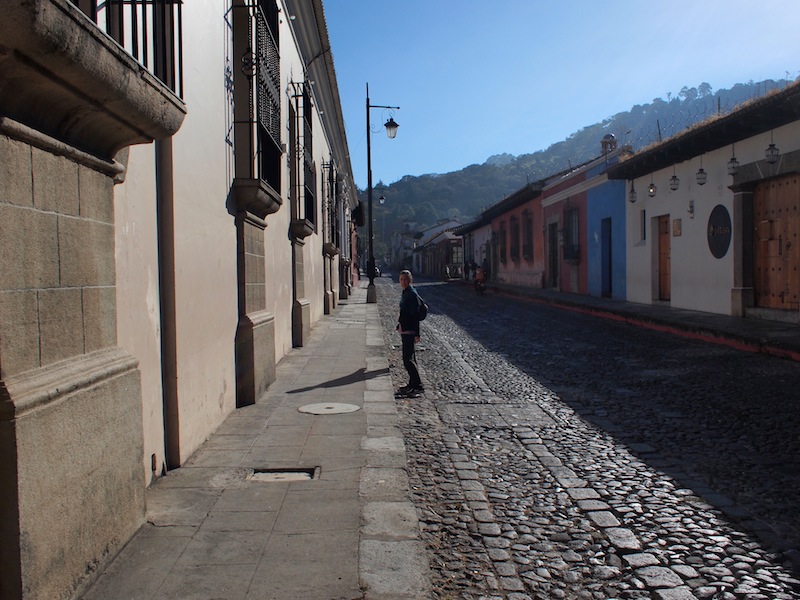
719,231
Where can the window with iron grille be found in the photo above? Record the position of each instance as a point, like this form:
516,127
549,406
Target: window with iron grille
149,30
334,209
502,241
571,234
515,239
267,81
327,192
527,235
309,169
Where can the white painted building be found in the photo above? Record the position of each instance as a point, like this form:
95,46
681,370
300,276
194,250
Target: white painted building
702,239
175,216
261,196
477,238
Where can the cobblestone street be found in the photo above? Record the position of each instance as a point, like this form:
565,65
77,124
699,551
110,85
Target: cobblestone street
560,455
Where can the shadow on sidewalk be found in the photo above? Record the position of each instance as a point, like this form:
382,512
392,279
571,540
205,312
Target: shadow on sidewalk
354,377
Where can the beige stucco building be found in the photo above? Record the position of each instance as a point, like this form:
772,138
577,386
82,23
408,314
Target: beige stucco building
175,216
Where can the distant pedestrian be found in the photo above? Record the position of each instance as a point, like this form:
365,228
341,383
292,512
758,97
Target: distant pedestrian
408,328
480,280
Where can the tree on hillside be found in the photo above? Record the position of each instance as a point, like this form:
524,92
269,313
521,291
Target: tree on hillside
403,214
426,213
688,94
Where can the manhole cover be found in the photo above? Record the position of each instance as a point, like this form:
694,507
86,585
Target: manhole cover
280,475
328,408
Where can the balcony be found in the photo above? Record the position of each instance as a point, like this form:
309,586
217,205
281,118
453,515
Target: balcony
151,31
82,87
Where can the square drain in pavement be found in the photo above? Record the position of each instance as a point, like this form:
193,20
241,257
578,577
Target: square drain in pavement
283,475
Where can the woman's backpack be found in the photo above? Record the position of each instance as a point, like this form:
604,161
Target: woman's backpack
422,308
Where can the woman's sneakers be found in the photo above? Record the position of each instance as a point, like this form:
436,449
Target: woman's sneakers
410,391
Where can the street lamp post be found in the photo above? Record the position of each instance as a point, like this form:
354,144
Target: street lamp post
381,200
391,131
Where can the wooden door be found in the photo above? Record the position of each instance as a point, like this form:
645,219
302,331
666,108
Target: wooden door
776,251
663,258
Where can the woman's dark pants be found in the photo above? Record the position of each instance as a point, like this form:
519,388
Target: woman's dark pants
410,361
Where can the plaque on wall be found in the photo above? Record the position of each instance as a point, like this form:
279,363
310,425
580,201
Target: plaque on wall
719,231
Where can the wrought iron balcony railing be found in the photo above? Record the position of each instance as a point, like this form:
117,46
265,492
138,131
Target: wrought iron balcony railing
149,30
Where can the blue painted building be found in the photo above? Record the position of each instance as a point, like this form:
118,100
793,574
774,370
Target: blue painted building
605,224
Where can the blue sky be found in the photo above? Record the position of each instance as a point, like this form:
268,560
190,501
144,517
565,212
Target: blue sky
476,78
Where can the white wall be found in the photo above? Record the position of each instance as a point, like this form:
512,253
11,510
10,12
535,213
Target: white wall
205,243
279,292
205,236
483,238
138,320
698,280
205,250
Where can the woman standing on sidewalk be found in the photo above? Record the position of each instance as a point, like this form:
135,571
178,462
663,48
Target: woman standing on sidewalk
408,328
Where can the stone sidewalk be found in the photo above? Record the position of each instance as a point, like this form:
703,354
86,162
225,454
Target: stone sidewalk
303,495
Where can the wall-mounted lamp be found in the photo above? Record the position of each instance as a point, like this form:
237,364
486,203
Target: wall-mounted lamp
701,176
651,189
674,182
690,210
771,153
632,194
733,164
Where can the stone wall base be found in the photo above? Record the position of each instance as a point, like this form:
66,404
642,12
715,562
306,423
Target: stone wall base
330,302
301,322
71,479
255,356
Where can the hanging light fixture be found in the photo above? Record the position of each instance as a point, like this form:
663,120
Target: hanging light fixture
674,182
391,128
651,189
701,176
772,153
632,194
733,164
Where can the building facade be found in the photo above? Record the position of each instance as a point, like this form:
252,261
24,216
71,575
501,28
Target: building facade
514,255
713,214
443,256
428,257
566,232
177,213
477,237
706,220
584,228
